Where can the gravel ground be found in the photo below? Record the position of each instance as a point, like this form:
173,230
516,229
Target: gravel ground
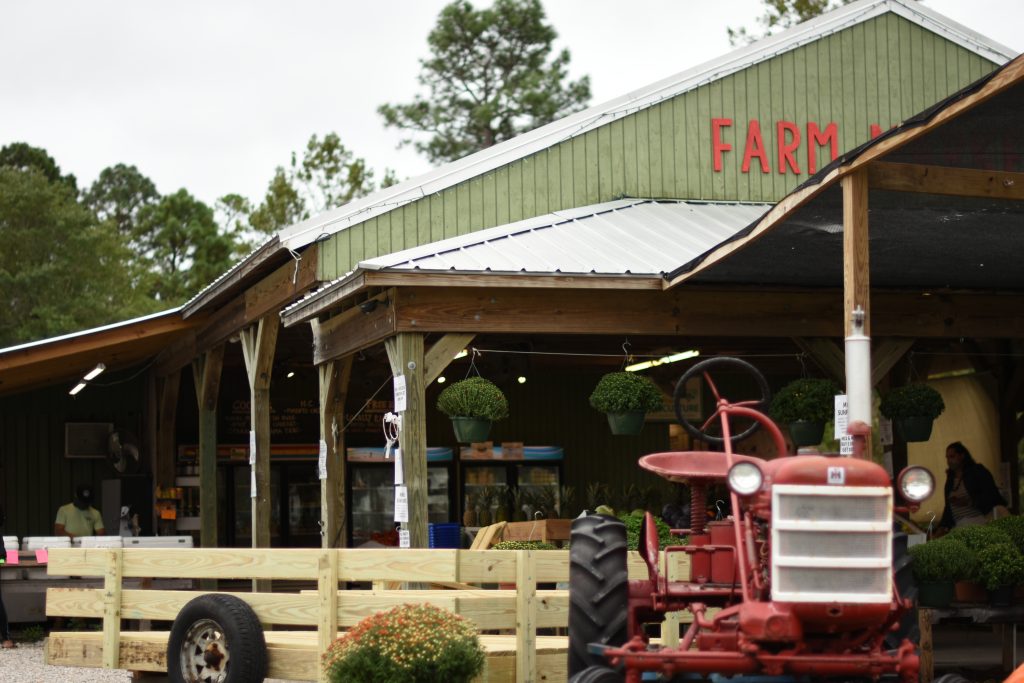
24,664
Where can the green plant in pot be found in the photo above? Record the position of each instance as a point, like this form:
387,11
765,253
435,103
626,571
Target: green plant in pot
805,405
473,404
625,397
1000,569
937,566
913,408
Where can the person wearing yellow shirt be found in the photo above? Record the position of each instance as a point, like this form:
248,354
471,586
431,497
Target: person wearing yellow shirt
79,517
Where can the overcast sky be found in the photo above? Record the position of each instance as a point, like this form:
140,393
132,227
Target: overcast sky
211,96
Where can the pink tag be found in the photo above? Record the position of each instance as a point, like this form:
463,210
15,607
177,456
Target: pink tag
12,557
42,556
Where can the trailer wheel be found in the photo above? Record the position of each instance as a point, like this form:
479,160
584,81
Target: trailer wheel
216,638
598,589
597,674
702,369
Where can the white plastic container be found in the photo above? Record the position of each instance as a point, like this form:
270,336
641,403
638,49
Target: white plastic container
43,543
99,542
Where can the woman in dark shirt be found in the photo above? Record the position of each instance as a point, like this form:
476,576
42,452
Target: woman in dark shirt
971,491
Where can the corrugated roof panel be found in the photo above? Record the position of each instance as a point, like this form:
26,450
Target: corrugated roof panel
638,237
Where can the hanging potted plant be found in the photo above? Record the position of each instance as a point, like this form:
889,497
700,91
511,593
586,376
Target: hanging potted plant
805,405
473,404
625,397
913,408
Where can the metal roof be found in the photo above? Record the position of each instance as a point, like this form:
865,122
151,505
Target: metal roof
521,146
624,237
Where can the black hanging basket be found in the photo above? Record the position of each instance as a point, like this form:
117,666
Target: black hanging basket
913,429
626,424
471,429
806,432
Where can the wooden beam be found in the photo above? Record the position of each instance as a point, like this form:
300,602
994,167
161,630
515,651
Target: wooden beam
334,380
405,353
885,355
166,456
258,344
946,180
827,354
206,371
442,353
355,329
327,608
856,279
176,356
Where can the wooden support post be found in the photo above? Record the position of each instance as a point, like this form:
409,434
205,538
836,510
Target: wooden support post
112,609
334,381
327,590
405,352
258,343
927,654
856,280
165,456
526,616
206,370
442,353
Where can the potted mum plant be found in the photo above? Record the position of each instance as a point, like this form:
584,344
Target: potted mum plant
473,404
625,397
805,405
1000,568
913,408
411,644
937,565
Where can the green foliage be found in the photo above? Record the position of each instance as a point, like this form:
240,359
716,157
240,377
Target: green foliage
1000,565
61,269
912,400
978,536
622,392
24,157
1012,526
634,522
473,397
329,175
31,634
944,559
523,545
807,399
407,644
490,76
782,14
118,194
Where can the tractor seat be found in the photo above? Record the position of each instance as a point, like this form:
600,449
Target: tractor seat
685,466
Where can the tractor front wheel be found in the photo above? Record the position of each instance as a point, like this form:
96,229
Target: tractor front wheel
598,592
597,674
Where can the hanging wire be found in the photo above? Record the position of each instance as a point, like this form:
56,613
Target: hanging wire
361,409
802,357
627,356
474,353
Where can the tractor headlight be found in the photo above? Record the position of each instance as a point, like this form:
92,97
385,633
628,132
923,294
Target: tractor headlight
916,483
745,478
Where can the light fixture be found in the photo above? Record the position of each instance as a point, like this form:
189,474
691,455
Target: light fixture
461,354
521,379
442,379
291,373
682,355
89,376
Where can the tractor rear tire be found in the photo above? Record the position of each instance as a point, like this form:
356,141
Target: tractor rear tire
598,590
597,674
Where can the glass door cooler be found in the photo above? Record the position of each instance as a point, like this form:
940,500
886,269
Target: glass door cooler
509,483
371,494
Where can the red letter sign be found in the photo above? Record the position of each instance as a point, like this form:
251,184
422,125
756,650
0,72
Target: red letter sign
717,146
754,148
815,138
786,149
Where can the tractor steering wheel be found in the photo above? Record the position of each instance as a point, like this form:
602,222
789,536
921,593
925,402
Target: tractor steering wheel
703,368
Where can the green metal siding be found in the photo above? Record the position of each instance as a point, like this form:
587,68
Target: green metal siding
877,72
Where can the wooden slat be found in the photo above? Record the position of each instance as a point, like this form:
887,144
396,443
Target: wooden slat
946,180
442,353
176,563
112,608
327,617
354,330
526,617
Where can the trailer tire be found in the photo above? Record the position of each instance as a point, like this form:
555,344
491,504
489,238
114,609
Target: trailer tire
598,589
597,674
216,638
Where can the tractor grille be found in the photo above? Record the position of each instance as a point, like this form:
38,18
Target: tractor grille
831,544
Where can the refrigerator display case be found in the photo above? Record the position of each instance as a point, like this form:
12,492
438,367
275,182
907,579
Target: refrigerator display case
371,494
510,482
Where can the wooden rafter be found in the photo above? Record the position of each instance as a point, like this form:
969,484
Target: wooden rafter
946,180
442,353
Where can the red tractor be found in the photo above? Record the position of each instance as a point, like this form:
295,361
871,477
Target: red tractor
801,574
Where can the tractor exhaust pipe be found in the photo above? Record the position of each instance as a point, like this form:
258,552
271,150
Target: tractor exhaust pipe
858,384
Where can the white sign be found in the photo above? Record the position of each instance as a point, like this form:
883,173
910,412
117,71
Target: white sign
841,417
401,504
404,541
400,394
252,483
399,468
321,462
885,431
837,475
846,445
252,446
